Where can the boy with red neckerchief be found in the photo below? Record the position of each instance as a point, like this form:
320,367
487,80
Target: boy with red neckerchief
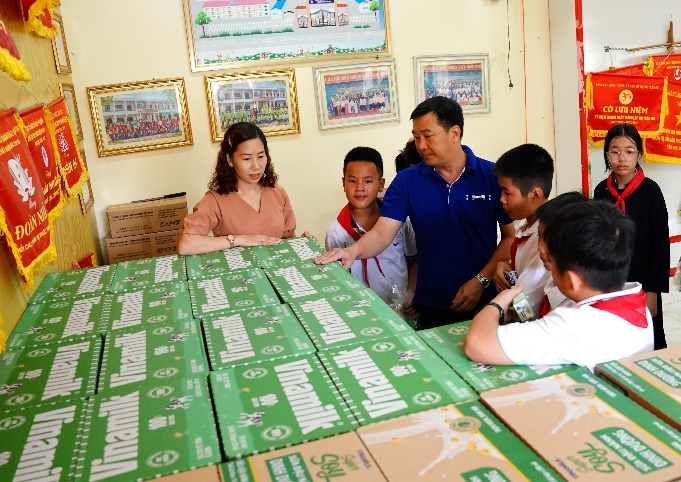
589,247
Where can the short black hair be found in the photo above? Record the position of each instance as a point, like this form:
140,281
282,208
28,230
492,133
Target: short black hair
594,239
364,154
527,165
622,130
407,156
447,112
547,211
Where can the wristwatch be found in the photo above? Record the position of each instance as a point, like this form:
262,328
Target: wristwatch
231,239
484,282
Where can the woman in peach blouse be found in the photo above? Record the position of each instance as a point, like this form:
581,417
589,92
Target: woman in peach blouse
244,205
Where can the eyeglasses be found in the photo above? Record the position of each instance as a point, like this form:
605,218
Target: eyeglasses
626,155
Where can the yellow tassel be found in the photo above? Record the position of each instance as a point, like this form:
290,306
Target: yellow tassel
649,67
14,67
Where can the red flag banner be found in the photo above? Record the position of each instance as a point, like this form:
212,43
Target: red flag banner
666,146
613,99
10,61
23,216
667,66
38,15
70,164
41,144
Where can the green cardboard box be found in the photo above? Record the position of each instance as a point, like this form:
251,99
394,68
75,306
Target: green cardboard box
274,404
59,321
217,263
347,317
39,442
447,341
152,353
238,290
393,376
77,283
164,303
141,273
146,431
49,373
258,334
455,442
289,251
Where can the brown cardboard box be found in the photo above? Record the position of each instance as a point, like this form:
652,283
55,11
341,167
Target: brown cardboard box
145,217
142,246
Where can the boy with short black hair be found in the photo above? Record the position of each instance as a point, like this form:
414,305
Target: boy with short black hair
589,246
525,175
396,265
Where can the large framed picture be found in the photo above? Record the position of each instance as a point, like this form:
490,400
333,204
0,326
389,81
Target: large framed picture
224,35
463,78
69,94
140,116
356,94
266,98
60,50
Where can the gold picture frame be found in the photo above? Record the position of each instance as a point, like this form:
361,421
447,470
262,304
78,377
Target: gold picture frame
85,196
68,92
60,49
140,116
268,98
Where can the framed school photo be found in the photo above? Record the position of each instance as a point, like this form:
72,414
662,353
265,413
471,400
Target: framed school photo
356,94
463,78
60,50
231,34
266,98
140,116
69,94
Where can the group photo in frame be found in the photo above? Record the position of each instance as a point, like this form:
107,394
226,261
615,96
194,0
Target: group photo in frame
356,94
68,92
223,35
462,78
59,47
266,98
140,116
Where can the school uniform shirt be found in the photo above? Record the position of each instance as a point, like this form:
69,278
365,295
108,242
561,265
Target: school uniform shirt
531,272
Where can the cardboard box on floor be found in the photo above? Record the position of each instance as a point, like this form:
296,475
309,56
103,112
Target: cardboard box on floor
143,217
142,246
653,380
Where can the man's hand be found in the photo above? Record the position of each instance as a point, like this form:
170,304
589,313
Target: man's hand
468,296
336,254
500,281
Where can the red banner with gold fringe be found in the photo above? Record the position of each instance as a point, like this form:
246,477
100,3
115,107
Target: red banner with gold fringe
38,16
70,164
41,144
666,146
23,215
10,61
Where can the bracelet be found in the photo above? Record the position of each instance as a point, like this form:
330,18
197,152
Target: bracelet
502,312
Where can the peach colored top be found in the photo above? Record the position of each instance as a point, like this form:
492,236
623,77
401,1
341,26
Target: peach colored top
225,214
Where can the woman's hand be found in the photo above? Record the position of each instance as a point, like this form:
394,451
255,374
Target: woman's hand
255,240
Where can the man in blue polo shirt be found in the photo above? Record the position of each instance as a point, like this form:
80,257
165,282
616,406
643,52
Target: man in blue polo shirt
453,202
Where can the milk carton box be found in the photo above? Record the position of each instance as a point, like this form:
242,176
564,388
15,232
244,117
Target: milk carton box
341,458
454,442
141,273
152,353
139,432
447,341
39,442
389,377
217,263
586,430
49,373
164,303
274,404
257,334
652,380
59,321
77,283
345,317
238,290
289,251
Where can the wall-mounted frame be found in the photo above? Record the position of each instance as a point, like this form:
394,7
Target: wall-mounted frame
60,49
463,78
356,94
140,116
85,196
224,35
266,98
68,92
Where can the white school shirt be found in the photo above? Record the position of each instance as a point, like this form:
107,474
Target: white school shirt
531,272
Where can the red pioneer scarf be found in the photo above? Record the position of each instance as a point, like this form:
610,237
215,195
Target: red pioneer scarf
545,306
514,247
345,220
631,187
631,308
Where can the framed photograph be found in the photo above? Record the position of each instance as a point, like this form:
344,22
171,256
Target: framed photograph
224,35
140,116
266,98
463,78
87,200
67,91
356,94
60,50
